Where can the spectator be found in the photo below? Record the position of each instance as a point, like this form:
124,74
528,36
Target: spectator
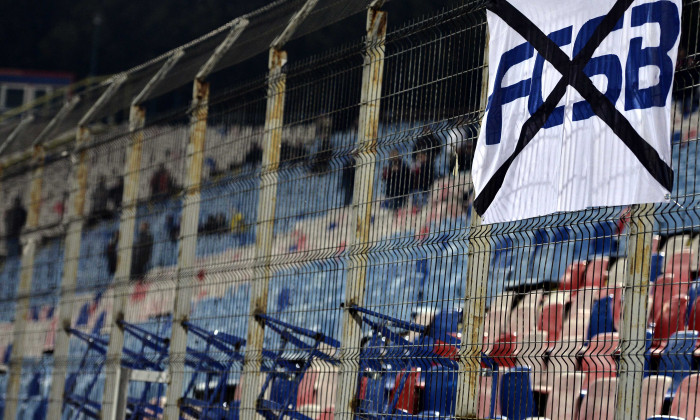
172,226
322,158
99,202
111,253
161,183
397,181
215,223
254,156
143,249
15,218
425,150
347,181
462,157
115,194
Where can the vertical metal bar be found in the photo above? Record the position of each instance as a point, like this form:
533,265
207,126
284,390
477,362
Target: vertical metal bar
187,246
372,77
127,222
190,222
634,313
24,289
71,257
264,231
479,249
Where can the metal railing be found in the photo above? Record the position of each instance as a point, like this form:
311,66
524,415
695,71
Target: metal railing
302,245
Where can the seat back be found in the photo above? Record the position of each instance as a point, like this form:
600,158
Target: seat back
685,404
598,359
599,402
663,291
565,390
670,320
677,359
597,272
694,316
602,317
573,276
517,400
551,320
654,389
679,265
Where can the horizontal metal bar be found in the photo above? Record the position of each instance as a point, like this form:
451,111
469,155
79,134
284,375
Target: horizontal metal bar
150,376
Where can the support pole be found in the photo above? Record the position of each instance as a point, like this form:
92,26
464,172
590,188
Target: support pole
24,289
272,138
634,313
190,222
264,232
15,132
71,257
127,224
372,77
27,271
475,293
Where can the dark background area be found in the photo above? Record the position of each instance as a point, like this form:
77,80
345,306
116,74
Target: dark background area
95,37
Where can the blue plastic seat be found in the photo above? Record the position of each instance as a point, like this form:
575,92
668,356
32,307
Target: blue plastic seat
677,358
602,317
517,399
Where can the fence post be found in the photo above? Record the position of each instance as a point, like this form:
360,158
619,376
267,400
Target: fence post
71,257
634,313
24,288
479,249
190,221
368,127
267,200
127,224
27,270
264,232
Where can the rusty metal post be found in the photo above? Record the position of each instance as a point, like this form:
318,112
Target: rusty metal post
267,201
372,77
634,313
71,257
479,249
190,222
24,288
70,274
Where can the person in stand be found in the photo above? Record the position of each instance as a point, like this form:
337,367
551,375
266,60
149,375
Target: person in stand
425,150
143,249
397,181
99,202
347,181
111,253
161,183
115,193
15,218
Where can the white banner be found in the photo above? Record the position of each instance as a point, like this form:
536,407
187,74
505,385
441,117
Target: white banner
599,136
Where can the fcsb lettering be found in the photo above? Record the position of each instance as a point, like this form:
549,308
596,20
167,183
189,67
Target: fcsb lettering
664,13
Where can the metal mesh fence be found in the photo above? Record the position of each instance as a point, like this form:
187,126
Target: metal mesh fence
303,245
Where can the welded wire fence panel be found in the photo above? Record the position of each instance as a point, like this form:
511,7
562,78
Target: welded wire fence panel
540,312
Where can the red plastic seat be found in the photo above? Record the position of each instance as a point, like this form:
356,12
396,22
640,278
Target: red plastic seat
664,289
503,351
599,403
654,390
670,320
597,272
679,264
686,403
598,359
551,320
694,319
306,394
574,276
409,398
576,326
562,402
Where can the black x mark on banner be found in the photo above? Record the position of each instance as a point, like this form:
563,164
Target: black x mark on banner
572,71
